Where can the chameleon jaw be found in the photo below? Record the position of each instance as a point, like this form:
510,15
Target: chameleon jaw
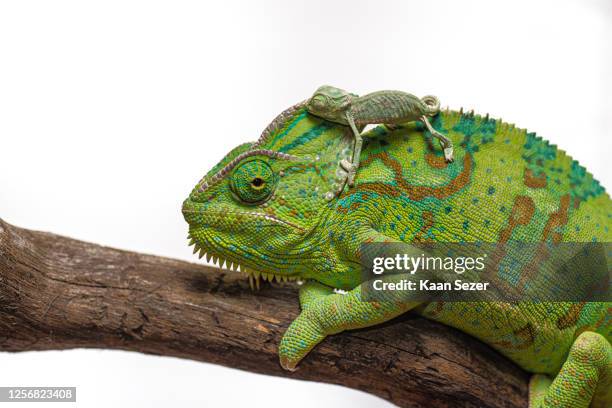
222,262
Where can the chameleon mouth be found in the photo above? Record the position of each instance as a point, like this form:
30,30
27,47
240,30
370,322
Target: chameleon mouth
227,262
190,210
268,217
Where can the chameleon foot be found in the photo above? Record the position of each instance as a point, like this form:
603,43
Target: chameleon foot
584,379
287,364
351,170
448,154
446,143
302,335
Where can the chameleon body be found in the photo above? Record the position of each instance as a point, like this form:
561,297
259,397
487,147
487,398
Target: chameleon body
266,207
388,107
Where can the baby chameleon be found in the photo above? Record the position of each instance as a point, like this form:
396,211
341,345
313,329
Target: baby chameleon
382,107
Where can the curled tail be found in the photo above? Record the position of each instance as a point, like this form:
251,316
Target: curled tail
432,103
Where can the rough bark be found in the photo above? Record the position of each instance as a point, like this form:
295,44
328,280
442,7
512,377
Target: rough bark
60,293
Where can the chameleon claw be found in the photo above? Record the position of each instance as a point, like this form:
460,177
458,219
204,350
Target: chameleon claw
346,165
448,154
350,179
351,171
288,365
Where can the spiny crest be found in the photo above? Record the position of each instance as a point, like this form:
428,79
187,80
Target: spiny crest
538,152
255,277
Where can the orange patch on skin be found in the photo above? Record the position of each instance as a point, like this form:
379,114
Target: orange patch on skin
603,319
525,336
570,318
428,222
415,193
437,162
533,181
522,212
438,309
555,220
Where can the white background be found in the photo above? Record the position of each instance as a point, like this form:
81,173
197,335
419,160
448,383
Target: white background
111,111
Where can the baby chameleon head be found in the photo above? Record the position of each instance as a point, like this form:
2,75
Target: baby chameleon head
248,211
330,103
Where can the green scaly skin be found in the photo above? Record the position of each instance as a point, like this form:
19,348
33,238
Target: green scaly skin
279,209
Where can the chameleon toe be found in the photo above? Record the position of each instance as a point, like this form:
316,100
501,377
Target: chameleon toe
288,365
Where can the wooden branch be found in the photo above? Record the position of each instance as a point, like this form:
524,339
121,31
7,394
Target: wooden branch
60,293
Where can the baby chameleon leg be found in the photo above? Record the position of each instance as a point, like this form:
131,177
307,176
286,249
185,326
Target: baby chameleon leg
324,313
446,143
351,168
585,376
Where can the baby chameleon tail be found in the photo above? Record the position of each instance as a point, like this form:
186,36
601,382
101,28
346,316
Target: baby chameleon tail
387,107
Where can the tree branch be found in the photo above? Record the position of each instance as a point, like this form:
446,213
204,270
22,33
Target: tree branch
60,293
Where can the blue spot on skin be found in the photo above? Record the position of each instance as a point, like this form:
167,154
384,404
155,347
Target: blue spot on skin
466,225
491,190
448,210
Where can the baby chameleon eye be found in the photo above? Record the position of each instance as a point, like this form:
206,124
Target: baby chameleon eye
319,103
253,182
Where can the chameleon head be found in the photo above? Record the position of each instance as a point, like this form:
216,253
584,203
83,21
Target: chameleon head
247,211
330,103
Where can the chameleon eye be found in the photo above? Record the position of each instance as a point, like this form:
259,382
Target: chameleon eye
258,183
319,102
253,182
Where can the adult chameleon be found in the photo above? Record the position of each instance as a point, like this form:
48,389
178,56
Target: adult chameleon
388,107
275,207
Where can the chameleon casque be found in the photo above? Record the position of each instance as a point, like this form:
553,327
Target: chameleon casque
279,208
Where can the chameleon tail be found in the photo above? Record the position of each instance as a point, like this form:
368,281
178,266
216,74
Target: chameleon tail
432,103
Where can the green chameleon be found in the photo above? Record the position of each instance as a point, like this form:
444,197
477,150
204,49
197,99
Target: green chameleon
278,209
388,107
